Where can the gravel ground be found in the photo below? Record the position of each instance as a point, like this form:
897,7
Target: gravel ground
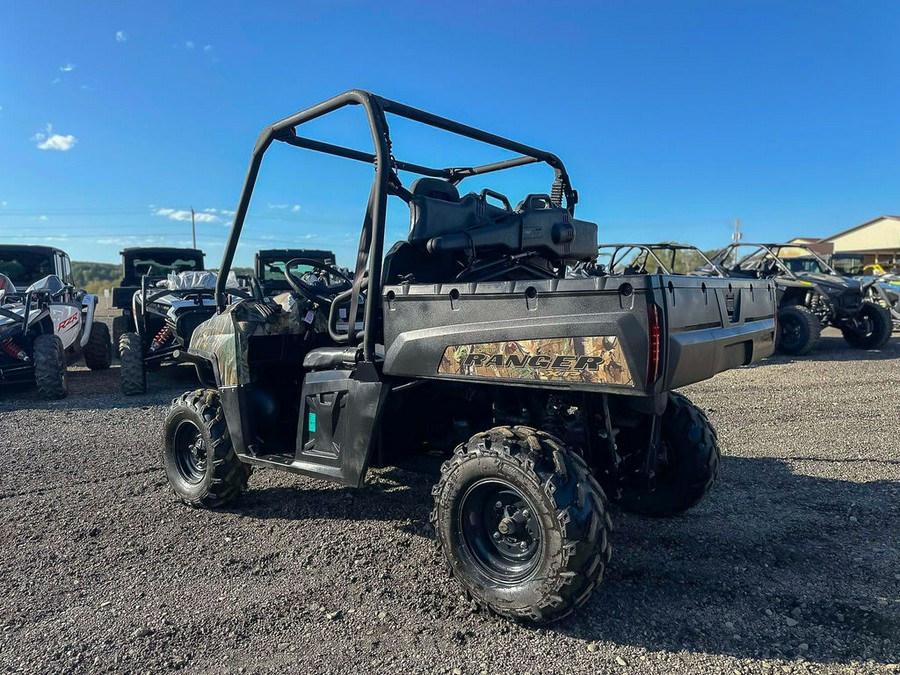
791,565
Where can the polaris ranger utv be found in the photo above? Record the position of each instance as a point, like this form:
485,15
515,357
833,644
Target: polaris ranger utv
45,322
150,260
268,267
531,395
811,295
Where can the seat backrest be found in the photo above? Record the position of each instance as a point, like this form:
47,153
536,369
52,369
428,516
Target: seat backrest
435,188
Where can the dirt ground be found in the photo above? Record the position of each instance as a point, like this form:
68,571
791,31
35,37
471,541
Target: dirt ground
791,565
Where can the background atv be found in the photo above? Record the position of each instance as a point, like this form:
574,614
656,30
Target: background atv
661,258
45,323
883,288
468,353
166,312
811,296
269,264
155,262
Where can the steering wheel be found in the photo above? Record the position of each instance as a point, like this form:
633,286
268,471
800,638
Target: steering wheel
317,293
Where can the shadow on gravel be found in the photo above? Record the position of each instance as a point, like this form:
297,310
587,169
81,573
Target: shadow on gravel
390,495
773,565
833,348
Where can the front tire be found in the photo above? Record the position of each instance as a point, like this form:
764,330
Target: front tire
50,367
98,352
121,325
522,524
692,455
131,360
875,329
799,330
197,455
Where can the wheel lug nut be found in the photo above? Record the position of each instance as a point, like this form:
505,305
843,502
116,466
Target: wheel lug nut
496,535
498,505
523,545
525,513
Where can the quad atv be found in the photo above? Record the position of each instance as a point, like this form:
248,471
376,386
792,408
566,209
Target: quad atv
155,262
467,352
45,322
268,267
165,313
811,296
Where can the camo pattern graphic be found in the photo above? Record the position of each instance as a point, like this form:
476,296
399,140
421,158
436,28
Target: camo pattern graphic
225,338
581,359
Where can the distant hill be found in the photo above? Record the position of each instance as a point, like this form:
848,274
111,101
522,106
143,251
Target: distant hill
94,277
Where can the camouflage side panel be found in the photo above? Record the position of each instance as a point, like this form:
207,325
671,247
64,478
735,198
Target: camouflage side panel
224,339
580,359
215,339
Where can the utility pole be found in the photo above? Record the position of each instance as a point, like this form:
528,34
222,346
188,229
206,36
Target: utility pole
193,228
736,235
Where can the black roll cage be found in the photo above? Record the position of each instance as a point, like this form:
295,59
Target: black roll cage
773,250
367,269
651,249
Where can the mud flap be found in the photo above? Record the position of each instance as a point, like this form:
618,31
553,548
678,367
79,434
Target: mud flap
338,417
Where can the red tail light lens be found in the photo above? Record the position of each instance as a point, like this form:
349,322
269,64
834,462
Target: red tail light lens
654,333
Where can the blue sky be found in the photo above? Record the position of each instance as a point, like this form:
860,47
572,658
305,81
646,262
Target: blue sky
674,118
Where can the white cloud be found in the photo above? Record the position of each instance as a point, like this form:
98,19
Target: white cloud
49,141
210,210
284,207
189,44
183,216
55,80
3,203
121,36
42,217
207,48
68,68
295,208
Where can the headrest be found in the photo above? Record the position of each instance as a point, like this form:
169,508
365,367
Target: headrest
435,188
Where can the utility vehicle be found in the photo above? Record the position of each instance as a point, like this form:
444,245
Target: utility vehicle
165,311
155,261
468,352
268,267
811,295
45,322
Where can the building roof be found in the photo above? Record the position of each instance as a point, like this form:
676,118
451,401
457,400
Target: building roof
857,227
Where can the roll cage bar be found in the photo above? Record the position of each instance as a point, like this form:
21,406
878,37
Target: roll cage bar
773,250
651,249
367,270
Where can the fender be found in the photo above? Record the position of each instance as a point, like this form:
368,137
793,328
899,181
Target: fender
88,302
66,323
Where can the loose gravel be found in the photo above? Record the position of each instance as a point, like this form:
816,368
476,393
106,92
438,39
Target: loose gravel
791,565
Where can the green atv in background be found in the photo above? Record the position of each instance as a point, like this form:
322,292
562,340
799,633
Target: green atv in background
465,351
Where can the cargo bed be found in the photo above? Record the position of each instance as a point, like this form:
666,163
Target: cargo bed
591,334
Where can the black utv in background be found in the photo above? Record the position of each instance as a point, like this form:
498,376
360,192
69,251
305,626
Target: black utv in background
153,261
811,296
269,264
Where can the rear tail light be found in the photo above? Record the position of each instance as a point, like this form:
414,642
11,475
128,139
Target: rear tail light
654,334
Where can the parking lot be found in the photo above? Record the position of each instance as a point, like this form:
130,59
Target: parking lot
791,565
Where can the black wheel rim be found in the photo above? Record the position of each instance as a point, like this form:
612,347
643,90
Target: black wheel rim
500,529
190,452
791,332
